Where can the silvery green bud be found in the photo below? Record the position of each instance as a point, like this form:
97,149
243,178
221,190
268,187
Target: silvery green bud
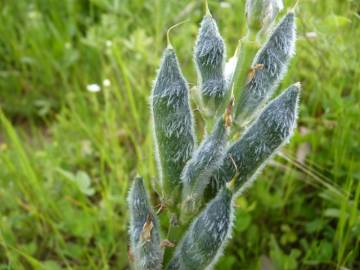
144,229
261,13
210,60
269,67
206,236
214,172
272,129
173,124
198,170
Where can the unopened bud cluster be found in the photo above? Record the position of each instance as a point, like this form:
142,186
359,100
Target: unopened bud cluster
199,181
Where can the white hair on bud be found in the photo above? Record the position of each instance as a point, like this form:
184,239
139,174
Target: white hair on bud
172,121
272,61
147,253
204,240
209,56
261,140
198,170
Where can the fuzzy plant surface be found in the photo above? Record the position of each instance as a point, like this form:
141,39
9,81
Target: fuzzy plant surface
200,181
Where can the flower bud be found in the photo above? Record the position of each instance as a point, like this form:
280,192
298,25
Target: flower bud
262,140
261,13
209,58
144,229
173,124
206,237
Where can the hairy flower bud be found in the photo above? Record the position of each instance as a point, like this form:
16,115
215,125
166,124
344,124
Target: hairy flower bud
144,229
197,172
261,13
206,237
173,124
272,129
210,60
268,69
214,172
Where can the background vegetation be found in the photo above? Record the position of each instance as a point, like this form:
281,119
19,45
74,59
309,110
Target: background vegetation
67,154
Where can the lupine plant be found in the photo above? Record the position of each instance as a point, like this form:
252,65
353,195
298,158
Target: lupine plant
243,130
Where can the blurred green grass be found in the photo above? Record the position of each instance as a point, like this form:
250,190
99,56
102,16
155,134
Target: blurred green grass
67,154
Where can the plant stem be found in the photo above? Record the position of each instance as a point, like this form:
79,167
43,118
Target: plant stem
245,53
248,49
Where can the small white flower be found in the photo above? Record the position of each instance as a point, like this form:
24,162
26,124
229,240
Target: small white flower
34,15
225,5
93,88
106,83
311,35
108,43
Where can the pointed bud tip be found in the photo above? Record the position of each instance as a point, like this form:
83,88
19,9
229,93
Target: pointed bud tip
208,22
290,15
295,88
292,93
137,190
138,182
288,100
298,85
169,49
138,178
280,114
169,53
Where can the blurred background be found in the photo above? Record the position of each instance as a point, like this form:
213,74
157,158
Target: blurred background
75,76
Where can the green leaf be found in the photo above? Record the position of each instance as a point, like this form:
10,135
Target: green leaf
325,250
51,265
81,179
314,226
84,183
332,212
243,221
288,236
336,21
